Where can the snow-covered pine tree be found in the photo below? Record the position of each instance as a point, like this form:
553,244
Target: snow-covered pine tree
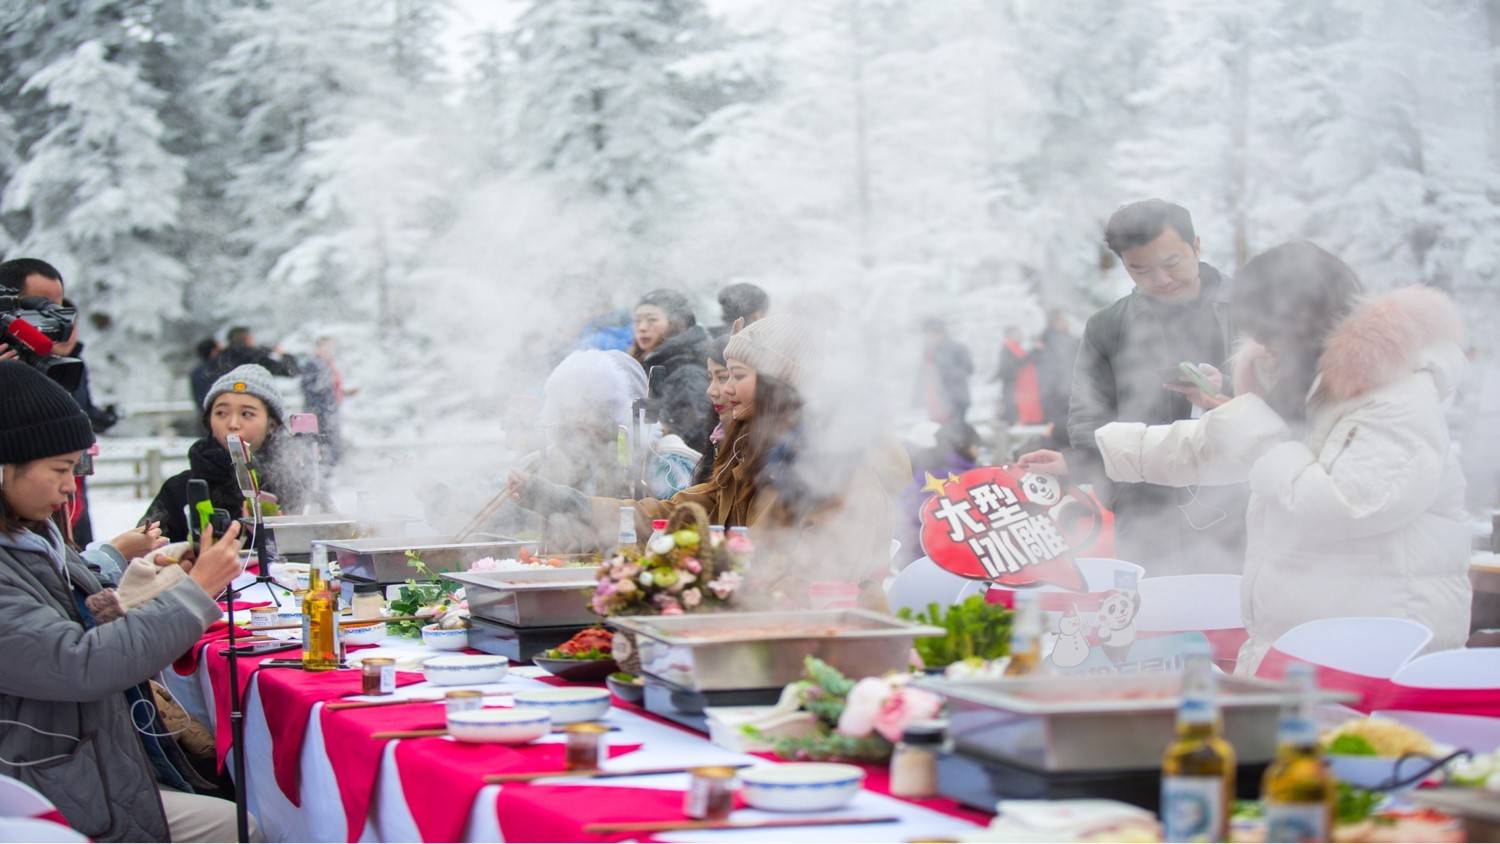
99,193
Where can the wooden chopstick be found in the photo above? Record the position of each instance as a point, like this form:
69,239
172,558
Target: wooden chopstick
501,779
347,622
778,823
440,732
478,521
341,705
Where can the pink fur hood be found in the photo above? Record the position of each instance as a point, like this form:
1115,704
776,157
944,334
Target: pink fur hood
1387,337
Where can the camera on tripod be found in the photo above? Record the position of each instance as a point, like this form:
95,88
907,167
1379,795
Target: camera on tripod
31,326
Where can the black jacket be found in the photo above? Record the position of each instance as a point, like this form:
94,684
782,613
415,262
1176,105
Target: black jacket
284,366
1054,375
278,472
1126,354
202,379
681,397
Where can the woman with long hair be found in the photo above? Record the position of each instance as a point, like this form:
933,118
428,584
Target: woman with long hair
832,524
1338,425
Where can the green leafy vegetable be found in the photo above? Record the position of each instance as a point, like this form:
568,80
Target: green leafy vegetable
824,694
975,630
414,596
1348,745
1355,804
1248,810
590,655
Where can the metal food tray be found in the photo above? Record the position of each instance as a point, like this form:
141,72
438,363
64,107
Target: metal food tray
383,559
295,534
1103,722
545,597
757,650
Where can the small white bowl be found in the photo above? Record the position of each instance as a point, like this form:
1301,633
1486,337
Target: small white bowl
499,726
439,639
801,786
364,634
465,669
289,617
567,706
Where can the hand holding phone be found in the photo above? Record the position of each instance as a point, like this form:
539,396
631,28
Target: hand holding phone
1190,373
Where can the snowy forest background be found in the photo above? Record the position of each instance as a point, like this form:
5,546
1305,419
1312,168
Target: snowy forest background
332,166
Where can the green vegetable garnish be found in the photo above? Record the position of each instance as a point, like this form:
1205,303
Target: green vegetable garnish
1352,746
975,630
1355,804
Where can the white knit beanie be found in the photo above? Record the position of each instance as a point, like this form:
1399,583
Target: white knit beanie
778,345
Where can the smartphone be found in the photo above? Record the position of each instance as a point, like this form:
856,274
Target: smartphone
1188,373
303,423
85,464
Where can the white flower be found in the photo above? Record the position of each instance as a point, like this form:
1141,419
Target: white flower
645,579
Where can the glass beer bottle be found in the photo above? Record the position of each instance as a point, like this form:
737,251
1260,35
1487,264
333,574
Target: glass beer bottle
1298,789
1197,782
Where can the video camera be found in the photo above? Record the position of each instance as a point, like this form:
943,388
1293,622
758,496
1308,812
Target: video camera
31,326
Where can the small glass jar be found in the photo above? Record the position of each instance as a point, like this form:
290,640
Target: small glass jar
914,761
368,601
263,617
378,675
710,795
586,745
462,700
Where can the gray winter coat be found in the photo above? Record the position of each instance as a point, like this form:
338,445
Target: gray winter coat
58,676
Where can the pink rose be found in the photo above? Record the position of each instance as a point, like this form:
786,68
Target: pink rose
674,609
692,598
862,707
692,565
903,706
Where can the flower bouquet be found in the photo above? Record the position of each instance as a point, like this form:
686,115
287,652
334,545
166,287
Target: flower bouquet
859,721
683,570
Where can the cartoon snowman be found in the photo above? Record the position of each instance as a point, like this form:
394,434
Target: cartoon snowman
1072,648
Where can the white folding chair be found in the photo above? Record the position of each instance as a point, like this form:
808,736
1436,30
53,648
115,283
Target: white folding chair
1190,602
1374,647
19,800
924,582
1466,668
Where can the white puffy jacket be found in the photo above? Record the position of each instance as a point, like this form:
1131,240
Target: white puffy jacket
1364,516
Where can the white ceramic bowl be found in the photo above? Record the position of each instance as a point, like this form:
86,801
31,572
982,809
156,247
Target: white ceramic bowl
439,639
289,616
499,726
567,706
1371,772
465,669
801,786
364,634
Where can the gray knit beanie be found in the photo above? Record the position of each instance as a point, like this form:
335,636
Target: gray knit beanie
251,380
37,417
777,346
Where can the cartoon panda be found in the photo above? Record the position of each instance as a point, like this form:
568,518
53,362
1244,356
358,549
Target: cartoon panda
1117,622
1041,489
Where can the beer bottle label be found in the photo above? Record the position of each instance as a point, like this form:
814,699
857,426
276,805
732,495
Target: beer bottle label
1292,823
1192,808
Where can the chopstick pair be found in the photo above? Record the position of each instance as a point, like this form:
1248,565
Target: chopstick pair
502,779
439,732
342,705
348,622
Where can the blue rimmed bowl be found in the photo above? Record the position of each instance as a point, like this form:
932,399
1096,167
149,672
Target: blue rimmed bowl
465,669
801,786
499,726
567,705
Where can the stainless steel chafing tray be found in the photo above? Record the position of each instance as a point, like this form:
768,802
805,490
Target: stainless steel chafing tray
546,597
1102,722
383,559
295,534
756,650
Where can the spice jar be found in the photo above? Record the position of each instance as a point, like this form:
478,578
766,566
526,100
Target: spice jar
914,761
378,675
586,744
463,700
368,602
710,795
263,616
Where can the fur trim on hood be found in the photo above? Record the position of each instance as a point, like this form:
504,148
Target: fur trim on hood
1382,340
1385,338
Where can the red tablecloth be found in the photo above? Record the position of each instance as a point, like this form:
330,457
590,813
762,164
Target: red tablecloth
560,812
1382,693
441,779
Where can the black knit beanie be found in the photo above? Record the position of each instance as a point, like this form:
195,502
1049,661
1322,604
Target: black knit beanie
37,417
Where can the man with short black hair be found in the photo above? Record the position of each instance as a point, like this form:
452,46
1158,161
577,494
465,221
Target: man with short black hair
741,301
1178,312
202,378
243,350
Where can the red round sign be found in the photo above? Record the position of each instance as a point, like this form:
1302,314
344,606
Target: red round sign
1000,525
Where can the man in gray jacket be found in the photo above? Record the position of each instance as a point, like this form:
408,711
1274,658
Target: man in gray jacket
77,724
1126,372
